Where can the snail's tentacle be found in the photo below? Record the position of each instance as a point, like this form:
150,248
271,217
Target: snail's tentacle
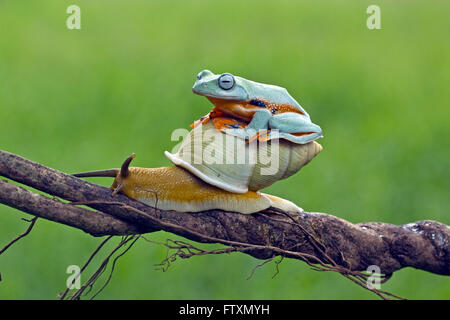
112,173
126,164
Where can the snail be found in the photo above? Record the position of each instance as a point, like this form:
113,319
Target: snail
255,135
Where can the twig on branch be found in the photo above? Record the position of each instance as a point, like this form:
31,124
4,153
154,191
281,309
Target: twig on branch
323,241
63,295
96,275
259,265
130,238
32,222
184,250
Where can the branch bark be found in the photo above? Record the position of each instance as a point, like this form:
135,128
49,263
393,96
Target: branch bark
316,238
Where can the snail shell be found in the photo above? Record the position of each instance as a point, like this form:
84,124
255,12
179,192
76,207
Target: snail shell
234,165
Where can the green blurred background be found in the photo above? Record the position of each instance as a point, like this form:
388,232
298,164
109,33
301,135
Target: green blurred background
79,100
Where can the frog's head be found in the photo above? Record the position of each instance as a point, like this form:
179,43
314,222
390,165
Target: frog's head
220,86
227,91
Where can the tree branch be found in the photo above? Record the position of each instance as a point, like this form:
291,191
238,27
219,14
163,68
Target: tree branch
95,223
316,238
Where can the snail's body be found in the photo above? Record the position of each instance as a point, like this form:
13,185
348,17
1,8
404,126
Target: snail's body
173,188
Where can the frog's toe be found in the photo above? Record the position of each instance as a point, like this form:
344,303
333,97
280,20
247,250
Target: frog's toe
302,138
238,132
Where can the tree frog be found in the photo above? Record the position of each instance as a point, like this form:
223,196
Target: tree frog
251,110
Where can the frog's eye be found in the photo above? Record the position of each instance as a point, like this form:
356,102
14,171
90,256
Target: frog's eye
226,81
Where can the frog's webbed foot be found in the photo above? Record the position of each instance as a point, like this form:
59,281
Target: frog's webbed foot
257,128
293,127
261,135
202,120
249,135
299,138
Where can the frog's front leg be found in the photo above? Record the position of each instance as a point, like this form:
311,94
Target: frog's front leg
294,127
259,124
